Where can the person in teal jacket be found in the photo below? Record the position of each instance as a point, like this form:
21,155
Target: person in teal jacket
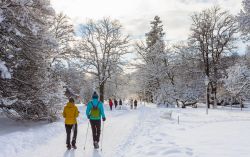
95,112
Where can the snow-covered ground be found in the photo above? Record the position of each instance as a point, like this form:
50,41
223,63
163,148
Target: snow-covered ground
147,131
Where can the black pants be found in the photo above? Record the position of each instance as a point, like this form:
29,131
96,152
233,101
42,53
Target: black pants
68,131
96,129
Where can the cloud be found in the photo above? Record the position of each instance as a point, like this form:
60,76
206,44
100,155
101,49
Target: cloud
135,15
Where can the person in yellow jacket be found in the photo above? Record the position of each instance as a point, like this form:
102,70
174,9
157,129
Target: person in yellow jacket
70,113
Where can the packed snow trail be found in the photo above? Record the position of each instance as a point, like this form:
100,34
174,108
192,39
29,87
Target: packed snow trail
145,132
118,127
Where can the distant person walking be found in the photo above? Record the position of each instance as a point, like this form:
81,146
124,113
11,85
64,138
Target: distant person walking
135,104
70,113
115,102
95,112
120,103
131,103
110,104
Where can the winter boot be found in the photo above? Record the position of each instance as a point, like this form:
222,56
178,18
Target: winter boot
74,146
96,145
68,146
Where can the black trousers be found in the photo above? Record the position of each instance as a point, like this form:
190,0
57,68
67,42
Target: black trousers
96,129
68,131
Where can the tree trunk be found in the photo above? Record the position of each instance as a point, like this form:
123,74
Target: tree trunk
102,92
231,102
207,72
215,85
208,97
215,97
177,103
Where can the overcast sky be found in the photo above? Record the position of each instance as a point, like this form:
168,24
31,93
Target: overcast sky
135,15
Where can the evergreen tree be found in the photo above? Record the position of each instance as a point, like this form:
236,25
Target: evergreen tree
154,55
156,33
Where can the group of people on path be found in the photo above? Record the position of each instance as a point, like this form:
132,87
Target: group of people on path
94,112
133,103
115,103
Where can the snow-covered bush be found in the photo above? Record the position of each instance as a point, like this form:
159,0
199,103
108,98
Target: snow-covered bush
238,81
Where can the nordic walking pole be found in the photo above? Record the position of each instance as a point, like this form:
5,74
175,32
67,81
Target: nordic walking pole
86,136
102,134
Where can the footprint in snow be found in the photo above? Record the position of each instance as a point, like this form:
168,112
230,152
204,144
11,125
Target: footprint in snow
189,153
172,143
152,153
190,149
163,134
182,129
158,139
172,151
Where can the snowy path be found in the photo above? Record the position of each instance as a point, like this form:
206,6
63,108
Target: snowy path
143,133
118,126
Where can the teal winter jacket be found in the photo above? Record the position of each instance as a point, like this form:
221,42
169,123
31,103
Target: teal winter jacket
94,103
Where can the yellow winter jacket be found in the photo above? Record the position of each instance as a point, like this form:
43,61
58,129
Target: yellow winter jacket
70,113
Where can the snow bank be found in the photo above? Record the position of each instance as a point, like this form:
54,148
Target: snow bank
17,137
5,74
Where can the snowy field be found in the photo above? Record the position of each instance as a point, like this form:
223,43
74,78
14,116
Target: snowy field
146,132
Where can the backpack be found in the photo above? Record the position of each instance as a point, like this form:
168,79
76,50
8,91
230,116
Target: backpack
95,112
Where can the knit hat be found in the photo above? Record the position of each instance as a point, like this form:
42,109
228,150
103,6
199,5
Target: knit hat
71,100
95,95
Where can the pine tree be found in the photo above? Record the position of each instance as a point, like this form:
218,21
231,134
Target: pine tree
154,55
156,33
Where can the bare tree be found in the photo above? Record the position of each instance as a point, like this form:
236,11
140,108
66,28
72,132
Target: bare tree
63,32
212,35
188,86
101,47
